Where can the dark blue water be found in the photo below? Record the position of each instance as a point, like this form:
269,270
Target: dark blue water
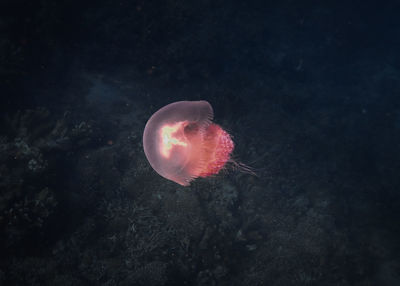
309,92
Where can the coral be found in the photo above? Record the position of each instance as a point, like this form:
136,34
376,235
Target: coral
184,216
29,146
152,274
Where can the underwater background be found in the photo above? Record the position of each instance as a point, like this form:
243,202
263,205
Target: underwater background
309,91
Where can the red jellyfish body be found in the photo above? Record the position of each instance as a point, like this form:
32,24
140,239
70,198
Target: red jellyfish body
181,143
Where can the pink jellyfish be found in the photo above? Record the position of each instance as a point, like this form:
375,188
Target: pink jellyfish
181,143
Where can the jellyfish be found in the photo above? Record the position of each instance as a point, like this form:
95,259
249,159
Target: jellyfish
182,143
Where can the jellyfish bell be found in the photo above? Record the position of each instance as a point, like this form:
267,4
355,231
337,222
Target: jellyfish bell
182,143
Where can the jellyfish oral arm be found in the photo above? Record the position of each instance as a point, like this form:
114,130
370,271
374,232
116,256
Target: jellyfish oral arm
218,146
169,138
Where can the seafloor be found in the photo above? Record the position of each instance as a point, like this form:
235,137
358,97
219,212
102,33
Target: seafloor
309,92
